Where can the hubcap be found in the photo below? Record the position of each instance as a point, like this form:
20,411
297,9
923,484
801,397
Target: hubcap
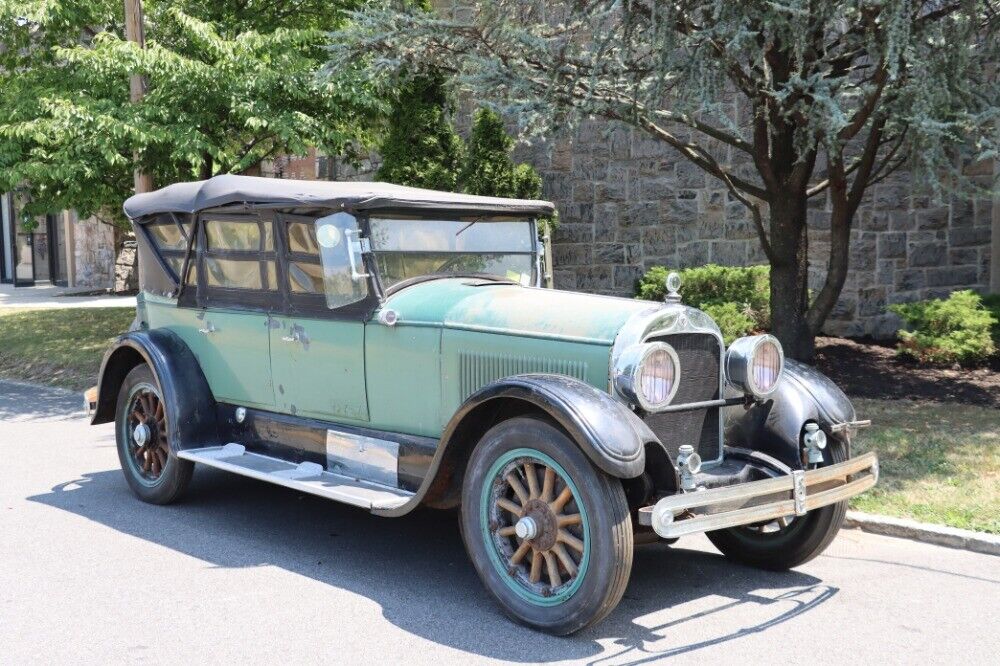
141,434
537,532
526,528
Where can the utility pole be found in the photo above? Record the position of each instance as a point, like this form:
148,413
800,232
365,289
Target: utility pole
134,32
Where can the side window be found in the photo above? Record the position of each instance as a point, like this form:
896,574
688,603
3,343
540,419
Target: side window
239,254
171,239
318,262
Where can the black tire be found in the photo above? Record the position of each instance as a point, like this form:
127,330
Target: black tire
603,525
801,540
172,475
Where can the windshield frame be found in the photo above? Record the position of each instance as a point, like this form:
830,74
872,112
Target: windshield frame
534,254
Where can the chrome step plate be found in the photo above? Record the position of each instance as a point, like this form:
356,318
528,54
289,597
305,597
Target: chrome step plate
305,477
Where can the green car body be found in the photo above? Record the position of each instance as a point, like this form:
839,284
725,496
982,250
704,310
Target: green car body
391,348
453,336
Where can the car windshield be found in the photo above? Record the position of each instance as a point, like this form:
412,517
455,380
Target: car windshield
410,248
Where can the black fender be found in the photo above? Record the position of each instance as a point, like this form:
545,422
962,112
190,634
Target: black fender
611,435
775,425
190,405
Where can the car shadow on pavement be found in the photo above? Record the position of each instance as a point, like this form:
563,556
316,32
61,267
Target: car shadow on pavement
678,600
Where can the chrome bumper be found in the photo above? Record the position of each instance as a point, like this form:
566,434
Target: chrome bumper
731,506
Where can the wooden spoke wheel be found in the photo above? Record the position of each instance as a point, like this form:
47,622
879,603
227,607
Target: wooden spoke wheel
151,470
147,428
549,533
536,524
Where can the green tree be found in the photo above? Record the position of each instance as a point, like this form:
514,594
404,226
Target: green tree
228,87
489,169
781,102
421,148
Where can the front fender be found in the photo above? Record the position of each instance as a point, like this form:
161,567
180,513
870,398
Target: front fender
190,406
610,434
775,426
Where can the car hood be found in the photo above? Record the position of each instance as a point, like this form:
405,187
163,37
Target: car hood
498,307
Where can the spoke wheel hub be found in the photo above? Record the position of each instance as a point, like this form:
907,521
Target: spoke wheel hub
141,434
545,526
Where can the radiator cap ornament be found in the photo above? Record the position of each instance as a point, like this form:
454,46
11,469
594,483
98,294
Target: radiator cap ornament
673,287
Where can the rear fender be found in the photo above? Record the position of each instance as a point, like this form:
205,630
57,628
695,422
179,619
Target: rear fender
190,406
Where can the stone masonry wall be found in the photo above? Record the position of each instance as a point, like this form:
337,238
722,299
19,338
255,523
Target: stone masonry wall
628,202
94,253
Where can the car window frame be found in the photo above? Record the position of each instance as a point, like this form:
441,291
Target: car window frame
432,215
208,296
314,305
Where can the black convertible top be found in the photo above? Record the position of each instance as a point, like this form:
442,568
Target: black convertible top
353,196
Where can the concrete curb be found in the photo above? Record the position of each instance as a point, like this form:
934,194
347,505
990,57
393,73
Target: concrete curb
950,537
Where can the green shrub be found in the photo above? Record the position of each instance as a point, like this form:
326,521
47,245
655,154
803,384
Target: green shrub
992,303
739,296
952,330
733,321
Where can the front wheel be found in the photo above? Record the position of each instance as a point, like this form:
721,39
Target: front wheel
787,542
549,534
151,469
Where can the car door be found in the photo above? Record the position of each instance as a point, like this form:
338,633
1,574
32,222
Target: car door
317,345
237,293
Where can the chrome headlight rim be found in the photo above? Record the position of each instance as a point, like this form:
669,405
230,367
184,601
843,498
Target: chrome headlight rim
740,359
629,370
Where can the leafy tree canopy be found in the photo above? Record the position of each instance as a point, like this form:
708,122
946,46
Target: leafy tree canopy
228,85
779,101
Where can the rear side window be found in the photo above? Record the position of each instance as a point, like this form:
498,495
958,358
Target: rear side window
238,254
170,237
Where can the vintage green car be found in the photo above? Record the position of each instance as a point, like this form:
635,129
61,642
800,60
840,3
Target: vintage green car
391,347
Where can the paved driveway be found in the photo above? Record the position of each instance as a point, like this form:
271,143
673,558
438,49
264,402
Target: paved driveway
246,572
48,296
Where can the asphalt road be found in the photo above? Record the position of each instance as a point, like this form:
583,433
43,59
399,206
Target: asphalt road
246,572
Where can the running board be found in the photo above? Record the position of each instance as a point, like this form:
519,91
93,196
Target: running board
307,477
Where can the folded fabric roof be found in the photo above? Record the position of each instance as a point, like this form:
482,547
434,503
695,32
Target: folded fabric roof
227,189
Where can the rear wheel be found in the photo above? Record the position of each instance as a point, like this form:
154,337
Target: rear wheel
549,534
788,542
152,471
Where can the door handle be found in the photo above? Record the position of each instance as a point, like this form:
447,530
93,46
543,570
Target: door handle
208,329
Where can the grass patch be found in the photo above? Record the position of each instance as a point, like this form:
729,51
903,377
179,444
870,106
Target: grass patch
61,347
940,463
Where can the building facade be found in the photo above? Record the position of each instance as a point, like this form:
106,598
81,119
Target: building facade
57,249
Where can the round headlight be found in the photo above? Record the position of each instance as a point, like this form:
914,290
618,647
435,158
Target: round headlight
648,375
754,364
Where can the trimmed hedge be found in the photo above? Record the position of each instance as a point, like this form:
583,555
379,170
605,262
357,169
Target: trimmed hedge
737,298
958,329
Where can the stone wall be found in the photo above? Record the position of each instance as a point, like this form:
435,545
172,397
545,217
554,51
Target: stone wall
93,253
628,202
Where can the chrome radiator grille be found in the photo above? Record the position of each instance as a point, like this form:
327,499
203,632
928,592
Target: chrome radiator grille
700,360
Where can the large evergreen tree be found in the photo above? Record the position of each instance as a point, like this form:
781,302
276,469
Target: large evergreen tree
421,148
781,102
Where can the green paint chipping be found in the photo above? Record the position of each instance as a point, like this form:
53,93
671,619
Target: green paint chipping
468,304
494,555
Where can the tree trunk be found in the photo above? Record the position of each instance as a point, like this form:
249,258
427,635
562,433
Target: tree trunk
790,278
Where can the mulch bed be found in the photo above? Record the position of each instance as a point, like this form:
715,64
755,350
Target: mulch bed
871,369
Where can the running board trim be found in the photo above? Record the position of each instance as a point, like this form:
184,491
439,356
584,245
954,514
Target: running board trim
307,477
